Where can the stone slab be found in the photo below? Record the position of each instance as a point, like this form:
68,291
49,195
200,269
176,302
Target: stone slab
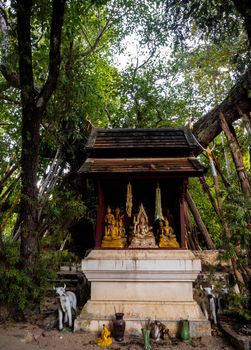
142,291
141,265
242,342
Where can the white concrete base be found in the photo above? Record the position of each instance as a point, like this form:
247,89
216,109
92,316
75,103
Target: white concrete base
143,284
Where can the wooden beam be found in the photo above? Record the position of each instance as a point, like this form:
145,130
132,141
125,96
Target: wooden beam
199,222
100,216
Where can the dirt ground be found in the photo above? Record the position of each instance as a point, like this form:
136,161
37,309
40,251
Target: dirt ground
26,336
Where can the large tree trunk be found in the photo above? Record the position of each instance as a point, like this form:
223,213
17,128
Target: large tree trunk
244,8
238,100
33,106
30,139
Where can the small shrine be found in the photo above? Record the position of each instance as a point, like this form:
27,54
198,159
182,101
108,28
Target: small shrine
140,264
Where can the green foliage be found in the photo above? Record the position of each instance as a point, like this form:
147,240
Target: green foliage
238,306
65,257
209,19
63,209
208,215
237,213
14,281
18,289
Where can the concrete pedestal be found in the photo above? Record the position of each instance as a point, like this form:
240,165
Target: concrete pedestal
144,285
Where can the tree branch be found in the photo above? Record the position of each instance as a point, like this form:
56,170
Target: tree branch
58,9
25,53
11,78
97,40
244,8
4,15
238,99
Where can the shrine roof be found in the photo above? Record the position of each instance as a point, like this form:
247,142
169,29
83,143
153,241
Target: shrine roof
170,166
164,151
171,142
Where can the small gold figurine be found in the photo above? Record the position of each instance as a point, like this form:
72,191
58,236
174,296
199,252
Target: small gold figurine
108,220
105,339
167,237
113,231
119,223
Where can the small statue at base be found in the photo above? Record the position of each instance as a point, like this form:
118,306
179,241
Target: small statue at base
167,237
142,236
105,339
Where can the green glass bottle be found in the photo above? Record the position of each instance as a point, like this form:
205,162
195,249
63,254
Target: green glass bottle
185,332
146,337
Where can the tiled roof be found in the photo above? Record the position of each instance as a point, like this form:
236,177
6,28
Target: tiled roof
142,151
170,166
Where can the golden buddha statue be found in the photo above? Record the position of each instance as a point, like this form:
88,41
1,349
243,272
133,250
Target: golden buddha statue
119,223
108,220
105,339
112,236
167,237
142,236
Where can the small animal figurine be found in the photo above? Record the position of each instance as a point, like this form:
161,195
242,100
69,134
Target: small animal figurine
206,300
158,330
66,301
155,330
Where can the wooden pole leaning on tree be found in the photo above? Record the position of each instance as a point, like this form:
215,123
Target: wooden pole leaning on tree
236,155
199,221
237,273
191,237
206,189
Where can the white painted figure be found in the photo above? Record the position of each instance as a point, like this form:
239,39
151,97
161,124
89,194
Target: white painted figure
207,301
66,301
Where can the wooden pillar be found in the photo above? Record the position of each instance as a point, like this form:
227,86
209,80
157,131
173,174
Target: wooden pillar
100,216
182,216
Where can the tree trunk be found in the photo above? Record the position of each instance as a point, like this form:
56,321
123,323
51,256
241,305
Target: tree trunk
33,107
244,7
237,101
237,157
199,221
30,139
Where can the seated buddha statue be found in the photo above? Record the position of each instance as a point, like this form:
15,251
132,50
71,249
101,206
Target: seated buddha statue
112,237
142,235
167,238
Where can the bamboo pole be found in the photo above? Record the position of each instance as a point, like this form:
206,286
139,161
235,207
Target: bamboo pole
238,276
218,168
206,189
199,221
192,243
237,156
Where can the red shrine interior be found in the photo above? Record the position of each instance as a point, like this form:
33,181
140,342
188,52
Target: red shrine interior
112,192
